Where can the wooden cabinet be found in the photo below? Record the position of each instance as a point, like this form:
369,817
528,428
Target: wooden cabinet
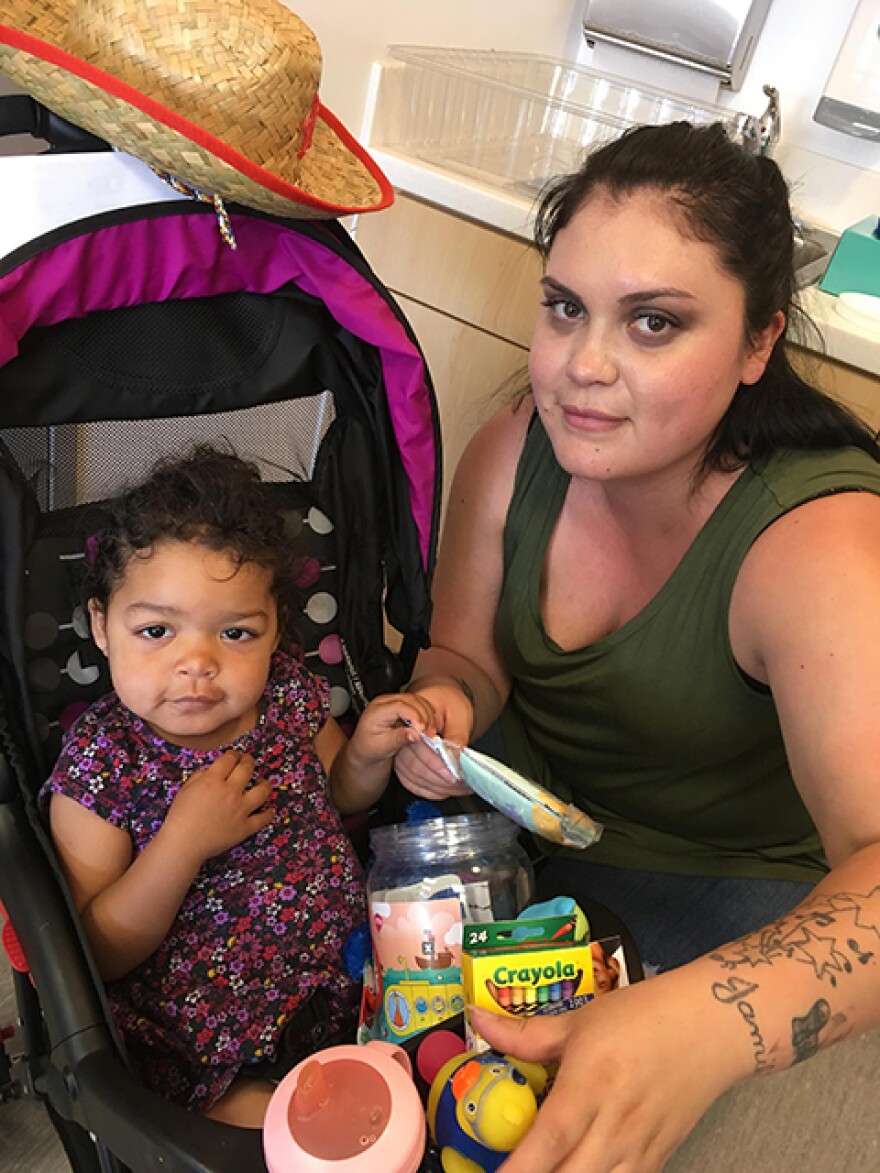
470,293
857,389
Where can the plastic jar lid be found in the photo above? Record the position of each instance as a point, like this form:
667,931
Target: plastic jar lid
446,838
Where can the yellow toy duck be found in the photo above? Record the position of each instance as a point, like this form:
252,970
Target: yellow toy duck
480,1106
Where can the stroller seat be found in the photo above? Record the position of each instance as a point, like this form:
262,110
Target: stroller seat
125,336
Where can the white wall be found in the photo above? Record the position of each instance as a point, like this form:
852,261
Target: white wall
835,178
355,34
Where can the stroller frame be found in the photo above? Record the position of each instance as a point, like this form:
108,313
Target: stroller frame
386,425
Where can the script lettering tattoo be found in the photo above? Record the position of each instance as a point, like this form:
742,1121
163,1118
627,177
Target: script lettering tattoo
762,1062
828,933
735,991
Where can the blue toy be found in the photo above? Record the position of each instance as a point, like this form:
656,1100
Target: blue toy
480,1106
558,906
356,951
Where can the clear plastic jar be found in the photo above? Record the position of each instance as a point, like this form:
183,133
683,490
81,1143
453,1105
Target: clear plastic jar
427,880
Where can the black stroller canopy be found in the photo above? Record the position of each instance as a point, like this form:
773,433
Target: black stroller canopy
176,252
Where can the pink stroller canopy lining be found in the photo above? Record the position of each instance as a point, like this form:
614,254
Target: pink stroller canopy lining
178,256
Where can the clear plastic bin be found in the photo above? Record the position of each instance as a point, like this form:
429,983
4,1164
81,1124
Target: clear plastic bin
513,120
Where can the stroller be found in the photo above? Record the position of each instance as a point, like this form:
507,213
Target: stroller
125,335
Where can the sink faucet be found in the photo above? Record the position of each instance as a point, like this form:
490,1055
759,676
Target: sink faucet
770,124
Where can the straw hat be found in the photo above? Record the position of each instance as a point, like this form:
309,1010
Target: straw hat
222,94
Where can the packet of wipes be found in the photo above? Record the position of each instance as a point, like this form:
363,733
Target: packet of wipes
523,801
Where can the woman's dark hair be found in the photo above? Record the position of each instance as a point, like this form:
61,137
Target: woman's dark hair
737,202
208,496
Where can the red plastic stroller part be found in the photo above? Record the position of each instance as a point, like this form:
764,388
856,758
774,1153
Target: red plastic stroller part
11,945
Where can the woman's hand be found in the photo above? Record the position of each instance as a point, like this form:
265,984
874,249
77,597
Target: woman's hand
638,1067
417,766
218,807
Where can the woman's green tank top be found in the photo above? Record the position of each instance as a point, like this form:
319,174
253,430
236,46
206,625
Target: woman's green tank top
654,730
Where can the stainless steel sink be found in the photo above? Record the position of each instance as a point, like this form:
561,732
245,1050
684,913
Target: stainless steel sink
812,252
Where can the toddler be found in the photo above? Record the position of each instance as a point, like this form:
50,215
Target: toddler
196,808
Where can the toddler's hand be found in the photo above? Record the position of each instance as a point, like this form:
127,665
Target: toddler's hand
380,723
419,768
379,733
215,809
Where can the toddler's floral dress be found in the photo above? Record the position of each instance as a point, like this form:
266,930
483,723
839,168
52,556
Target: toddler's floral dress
263,925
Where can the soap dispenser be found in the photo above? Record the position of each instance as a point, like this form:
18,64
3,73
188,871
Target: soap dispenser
851,102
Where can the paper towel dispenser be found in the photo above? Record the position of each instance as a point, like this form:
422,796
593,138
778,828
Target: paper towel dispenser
851,101
713,36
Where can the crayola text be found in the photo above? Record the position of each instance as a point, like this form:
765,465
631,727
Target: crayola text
508,976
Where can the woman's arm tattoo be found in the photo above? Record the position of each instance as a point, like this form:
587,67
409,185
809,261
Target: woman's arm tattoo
833,935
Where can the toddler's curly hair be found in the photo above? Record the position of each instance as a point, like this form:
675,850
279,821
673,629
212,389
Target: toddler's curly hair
208,496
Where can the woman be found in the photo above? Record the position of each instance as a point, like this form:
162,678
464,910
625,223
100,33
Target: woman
662,570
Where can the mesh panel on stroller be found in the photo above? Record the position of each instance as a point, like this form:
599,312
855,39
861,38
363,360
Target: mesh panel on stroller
122,338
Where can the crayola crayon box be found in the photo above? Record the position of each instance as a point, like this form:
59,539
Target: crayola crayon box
523,967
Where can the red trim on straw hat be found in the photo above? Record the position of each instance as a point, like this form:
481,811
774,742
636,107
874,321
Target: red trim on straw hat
155,110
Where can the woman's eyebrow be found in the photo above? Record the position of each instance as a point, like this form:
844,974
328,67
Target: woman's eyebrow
641,295
550,285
